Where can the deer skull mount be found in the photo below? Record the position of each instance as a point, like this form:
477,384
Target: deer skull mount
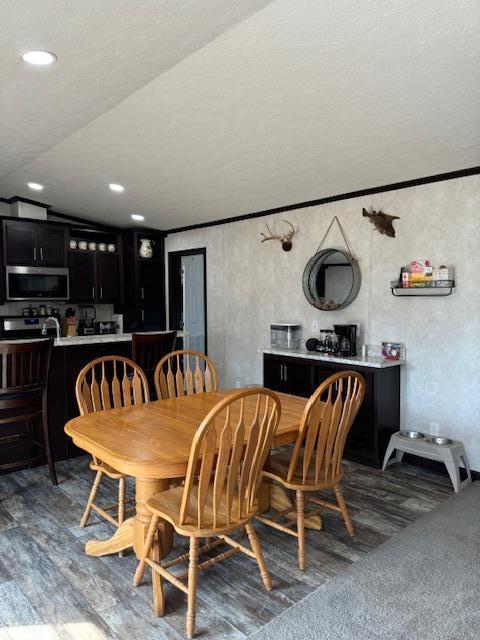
285,239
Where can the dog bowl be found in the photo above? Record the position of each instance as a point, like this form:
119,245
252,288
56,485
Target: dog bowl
414,435
438,440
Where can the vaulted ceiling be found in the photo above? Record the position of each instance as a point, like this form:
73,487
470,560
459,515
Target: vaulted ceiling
205,109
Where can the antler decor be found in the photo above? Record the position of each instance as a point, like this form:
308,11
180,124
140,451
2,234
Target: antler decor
285,239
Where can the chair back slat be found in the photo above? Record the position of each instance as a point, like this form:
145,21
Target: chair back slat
150,347
24,365
110,382
184,372
326,421
227,470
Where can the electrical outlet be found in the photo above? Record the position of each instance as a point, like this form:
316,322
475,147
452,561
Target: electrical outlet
315,326
434,428
238,384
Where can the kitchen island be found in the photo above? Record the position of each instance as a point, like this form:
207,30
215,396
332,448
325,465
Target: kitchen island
69,356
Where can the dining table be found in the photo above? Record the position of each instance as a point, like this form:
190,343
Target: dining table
151,442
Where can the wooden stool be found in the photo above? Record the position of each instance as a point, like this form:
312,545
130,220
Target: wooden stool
24,370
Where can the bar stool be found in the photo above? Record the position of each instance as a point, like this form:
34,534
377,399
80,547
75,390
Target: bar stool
148,349
24,368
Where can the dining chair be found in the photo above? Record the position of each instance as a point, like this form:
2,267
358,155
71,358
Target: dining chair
314,463
219,496
184,372
150,347
24,368
105,383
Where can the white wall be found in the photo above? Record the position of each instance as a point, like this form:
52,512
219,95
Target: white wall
250,285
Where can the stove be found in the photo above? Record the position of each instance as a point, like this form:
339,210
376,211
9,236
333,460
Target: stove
22,328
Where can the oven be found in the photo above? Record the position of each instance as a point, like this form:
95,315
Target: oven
37,283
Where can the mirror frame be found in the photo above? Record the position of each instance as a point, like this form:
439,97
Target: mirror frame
308,285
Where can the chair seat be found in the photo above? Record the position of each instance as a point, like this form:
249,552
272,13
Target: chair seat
167,505
106,469
277,469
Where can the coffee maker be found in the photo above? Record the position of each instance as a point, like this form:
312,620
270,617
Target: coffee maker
347,339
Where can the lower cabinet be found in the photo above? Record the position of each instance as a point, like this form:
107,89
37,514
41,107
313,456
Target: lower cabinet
379,415
66,364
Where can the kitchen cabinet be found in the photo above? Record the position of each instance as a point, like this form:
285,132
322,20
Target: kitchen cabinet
144,305
379,415
94,277
34,244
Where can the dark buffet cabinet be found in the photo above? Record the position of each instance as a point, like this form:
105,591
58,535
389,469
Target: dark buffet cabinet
40,244
379,415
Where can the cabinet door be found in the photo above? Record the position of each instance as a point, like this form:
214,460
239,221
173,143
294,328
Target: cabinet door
20,243
273,370
107,280
51,246
82,282
151,282
297,378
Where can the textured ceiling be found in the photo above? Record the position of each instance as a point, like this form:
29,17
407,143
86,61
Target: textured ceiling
201,120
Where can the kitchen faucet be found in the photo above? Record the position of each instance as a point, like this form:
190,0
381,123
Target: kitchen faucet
55,321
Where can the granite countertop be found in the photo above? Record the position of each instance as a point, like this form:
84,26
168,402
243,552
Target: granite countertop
103,338
376,363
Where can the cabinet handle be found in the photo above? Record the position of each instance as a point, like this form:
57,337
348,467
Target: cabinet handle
281,373
93,293
35,253
101,293
285,374
142,293
41,254
143,315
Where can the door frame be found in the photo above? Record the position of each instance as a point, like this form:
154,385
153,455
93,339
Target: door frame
174,290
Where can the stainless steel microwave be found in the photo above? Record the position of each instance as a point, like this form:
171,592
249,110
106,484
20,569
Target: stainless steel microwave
37,283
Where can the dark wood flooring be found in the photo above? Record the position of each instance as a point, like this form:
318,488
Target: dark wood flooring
50,589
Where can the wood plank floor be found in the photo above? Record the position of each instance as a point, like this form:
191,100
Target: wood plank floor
50,589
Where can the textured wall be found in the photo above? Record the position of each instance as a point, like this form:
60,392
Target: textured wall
250,285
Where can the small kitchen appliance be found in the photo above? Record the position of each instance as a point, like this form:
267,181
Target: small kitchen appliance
285,336
347,339
105,327
86,324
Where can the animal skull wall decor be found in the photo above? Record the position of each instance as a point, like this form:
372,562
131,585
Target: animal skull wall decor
381,221
285,239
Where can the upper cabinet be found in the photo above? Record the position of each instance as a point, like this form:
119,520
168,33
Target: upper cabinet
34,244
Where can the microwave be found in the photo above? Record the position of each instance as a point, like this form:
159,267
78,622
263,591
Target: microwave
37,283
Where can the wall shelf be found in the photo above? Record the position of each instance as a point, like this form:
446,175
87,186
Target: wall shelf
432,292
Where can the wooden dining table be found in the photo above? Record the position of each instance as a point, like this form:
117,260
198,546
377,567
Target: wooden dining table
151,442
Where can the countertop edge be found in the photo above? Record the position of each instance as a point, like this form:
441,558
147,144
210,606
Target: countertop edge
358,361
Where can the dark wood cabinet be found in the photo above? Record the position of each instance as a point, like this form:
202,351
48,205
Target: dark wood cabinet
52,245
34,244
107,278
144,304
379,415
94,277
82,277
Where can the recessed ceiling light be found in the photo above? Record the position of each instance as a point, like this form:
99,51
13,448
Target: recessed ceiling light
137,217
116,187
35,186
39,58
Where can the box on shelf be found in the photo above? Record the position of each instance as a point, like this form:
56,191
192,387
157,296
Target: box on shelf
285,336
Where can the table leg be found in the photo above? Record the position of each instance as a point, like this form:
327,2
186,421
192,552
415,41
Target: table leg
133,531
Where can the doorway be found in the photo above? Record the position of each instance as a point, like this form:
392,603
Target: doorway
187,296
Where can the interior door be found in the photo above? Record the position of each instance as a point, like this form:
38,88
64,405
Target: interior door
193,283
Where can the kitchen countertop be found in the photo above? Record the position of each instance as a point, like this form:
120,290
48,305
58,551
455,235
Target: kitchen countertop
103,338
376,363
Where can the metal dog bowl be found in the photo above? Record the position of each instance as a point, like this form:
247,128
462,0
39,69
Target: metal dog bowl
438,440
413,435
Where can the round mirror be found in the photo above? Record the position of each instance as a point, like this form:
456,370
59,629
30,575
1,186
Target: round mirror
331,280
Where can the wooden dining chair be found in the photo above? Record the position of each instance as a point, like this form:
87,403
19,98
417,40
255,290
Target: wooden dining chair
24,368
227,454
315,462
150,347
184,372
105,383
